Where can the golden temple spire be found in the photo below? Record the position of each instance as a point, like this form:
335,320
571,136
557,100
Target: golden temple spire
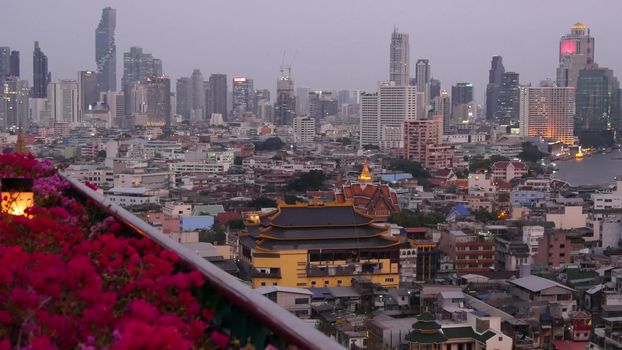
365,174
20,144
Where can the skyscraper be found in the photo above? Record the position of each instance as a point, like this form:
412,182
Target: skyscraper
399,58
217,93
383,115
302,100
597,106
495,77
40,75
576,52
63,101
285,105
183,88
87,91
14,103
435,88
548,112
5,63
322,104
138,65
106,51
442,106
508,99
14,71
158,100
198,94
423,76
462,105
243,95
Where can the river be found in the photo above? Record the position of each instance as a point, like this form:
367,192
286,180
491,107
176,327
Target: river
597,169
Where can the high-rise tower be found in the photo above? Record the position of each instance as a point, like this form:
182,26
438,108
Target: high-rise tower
495,77
40,75
423,76
576,52
285,105
217,95
508,98
399,64
106,51
198,94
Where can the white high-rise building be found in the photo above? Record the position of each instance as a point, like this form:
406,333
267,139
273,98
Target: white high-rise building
383,114
548,112
63,101
304,130
442,106
399,64
423,76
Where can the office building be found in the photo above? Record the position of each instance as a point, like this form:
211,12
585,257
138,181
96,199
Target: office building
106,51
576,52
462,105
343,97
156,100
435,88
243,96
183,89
495,78
14,108
217,95
383,115
423,77
304,130
198,94
40,75
285,105
548,112
399,64
508,99
442,107
113,100
14,70
597,106
262,98
87,91
5,63
302,100
138,65
63,101
271,247
322,104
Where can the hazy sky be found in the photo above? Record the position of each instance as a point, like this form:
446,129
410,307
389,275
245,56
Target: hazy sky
340,44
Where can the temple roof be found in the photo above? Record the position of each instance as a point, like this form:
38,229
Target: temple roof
374,242
321,215
365,175
320,232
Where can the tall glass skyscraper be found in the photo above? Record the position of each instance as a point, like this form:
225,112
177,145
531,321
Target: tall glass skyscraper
40,75
399,65
106,51
217,95
598,106
495,77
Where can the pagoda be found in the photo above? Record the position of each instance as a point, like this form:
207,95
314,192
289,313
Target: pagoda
374,199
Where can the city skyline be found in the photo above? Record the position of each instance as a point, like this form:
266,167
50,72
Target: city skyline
356,46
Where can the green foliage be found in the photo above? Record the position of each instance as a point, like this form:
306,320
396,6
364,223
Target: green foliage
371,147
479,162
484,215
408,218
262,202
216,235
237,160
344,141
407,166
235,224
269,144
531,153
313,180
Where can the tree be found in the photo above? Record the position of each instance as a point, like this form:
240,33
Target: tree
484,215
216,235
530,153
235,224
480,162
291,199
237,160
313,180
408,166
408,218
262,202
269,144
371,147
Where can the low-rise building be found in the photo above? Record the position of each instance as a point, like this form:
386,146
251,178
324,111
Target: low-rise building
294,300
536,288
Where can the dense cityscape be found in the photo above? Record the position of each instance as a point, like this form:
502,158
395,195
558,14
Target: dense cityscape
407,217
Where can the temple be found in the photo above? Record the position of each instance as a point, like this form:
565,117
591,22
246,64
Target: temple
317,244
374,199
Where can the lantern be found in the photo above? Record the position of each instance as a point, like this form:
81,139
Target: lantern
16,196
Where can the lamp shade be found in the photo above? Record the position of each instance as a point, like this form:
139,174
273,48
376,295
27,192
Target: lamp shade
16,195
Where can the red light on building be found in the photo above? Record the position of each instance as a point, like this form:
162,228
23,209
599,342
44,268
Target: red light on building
568,47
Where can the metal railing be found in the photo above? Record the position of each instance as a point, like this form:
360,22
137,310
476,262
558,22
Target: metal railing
241,298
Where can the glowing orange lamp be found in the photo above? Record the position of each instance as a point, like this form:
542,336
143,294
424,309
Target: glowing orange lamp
17,196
